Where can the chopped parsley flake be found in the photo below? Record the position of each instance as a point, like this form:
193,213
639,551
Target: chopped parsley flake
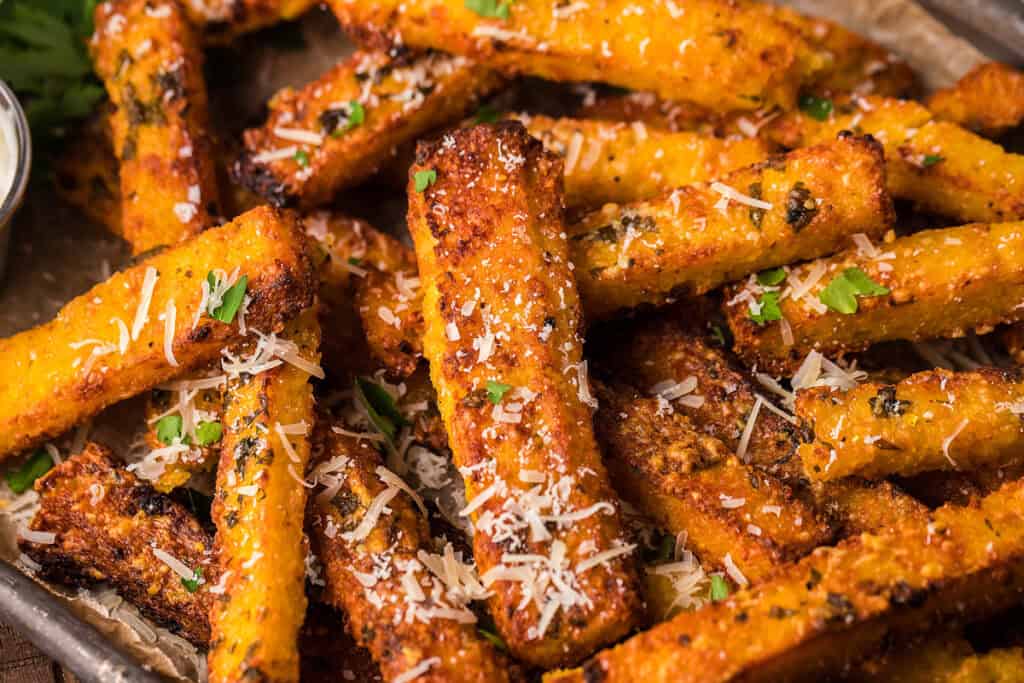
231,300
493,638
719,588
424,179
486,114
770,278
818,108
931,160
767,309
492,9
841,294
496,391
168,428
21,479
718,336
353,261
209,432
380,408
192,585
301,158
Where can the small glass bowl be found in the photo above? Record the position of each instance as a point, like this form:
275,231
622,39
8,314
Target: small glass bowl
12,198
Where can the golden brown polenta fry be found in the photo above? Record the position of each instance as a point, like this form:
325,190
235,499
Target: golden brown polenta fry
223,20
940,166
988,100
346,251
380,570
837,604
798,206
858,64
258,508
109,526
339,129
722,55
934,420
502,319
664,355
390,306
87,174
150,60
72,367
688,482
942,283
619,162
206,401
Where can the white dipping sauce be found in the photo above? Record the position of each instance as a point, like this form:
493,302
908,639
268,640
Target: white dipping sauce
8,151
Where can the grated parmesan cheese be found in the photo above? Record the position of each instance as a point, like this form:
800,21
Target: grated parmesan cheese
145,298
732,194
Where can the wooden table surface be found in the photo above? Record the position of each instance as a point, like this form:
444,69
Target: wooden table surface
21,662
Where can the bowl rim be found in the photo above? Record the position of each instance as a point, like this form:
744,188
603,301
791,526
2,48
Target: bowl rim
16,192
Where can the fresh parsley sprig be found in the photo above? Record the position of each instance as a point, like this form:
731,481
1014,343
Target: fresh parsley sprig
43,57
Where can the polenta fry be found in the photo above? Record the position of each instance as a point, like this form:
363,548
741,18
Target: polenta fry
152,65
619,162
223,20
268,416
698,237
939,283
988,100
148,324
932,420
940,166
401,602
502,339
99,514
339,129
722,55
733,515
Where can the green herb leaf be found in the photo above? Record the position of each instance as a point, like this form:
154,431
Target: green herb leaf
192,585
208,432
719,588
770,278
841,294
486,114
21,479
718,335
424,179
931,160
380,408
168,428
496,391
43,57
489,8
767,310
494,639
231,300
353,261
301,158
816,107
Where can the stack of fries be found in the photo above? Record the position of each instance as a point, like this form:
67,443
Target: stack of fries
792,448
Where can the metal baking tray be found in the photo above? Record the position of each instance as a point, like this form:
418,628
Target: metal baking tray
996,27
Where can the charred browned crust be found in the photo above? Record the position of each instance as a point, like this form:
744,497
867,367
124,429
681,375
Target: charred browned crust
490,229
396,643
107,523
680,477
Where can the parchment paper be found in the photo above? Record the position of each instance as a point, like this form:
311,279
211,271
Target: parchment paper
55,255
